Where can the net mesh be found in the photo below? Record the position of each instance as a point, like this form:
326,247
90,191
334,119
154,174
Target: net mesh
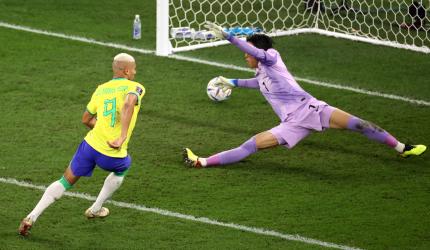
402,22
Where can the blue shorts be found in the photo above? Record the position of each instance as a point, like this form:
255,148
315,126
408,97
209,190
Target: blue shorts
86,158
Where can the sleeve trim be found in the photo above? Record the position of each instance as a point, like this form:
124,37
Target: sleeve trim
235,82
91,113
137,95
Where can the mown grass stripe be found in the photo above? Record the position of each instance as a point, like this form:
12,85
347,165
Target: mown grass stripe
205,220
216,64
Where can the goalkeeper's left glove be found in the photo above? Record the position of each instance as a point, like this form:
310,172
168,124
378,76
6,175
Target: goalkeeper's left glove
218,31
225,83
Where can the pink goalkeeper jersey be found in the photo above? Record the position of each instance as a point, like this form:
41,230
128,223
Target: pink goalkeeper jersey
274,81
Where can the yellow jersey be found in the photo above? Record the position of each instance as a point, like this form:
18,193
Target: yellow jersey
106,103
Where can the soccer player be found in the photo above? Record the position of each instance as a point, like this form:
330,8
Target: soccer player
111,115
299,112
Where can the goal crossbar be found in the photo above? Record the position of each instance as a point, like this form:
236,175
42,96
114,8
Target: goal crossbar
361,21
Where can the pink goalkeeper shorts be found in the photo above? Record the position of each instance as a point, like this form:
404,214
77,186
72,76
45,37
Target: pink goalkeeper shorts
302,122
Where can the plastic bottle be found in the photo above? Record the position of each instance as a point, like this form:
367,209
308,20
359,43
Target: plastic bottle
240,31
137,28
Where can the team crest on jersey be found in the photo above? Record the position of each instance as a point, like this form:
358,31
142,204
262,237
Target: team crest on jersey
139,90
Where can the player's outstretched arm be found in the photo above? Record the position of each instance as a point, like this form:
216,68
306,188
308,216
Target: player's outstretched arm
227,83
248,83
126,115
260,54
89,119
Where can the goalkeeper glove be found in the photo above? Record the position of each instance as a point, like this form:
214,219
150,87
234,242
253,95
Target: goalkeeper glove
225,83
218,31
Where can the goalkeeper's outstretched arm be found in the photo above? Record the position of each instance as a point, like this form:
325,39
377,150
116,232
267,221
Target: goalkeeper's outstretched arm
248,83
261,55
226,83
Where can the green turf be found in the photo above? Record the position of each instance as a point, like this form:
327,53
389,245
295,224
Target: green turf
102,20
335,186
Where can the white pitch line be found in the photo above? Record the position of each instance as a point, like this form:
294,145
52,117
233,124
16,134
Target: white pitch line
204,220
75,38
216,64
313,82
366,92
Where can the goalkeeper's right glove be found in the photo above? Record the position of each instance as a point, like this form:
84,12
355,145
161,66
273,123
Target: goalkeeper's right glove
216,30
225,83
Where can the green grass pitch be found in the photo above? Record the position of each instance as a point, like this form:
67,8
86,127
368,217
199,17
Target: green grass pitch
334,186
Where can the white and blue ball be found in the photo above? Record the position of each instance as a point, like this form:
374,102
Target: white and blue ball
215,93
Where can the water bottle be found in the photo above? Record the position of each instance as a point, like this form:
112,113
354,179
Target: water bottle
137,28
240,31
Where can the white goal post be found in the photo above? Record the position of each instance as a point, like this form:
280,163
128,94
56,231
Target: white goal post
396,23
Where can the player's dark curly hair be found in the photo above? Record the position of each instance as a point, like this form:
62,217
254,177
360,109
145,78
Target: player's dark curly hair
261,41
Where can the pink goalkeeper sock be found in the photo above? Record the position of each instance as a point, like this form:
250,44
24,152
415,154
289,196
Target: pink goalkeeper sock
371,131
233,155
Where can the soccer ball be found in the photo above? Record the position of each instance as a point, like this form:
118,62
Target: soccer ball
215,93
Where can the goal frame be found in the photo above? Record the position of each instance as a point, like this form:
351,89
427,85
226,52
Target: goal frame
164,46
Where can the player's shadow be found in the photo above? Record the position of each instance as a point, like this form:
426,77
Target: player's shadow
323,147
334,148
383,155
318,167
310,172
321,173
33,239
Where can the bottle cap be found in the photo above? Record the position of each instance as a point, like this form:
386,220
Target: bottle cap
137,16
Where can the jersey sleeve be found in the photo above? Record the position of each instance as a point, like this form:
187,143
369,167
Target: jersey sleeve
92,105
248,83
268,57
138,91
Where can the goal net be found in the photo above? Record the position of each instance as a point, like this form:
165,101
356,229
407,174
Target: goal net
396,23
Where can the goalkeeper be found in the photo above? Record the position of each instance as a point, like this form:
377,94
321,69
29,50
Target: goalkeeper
299,112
